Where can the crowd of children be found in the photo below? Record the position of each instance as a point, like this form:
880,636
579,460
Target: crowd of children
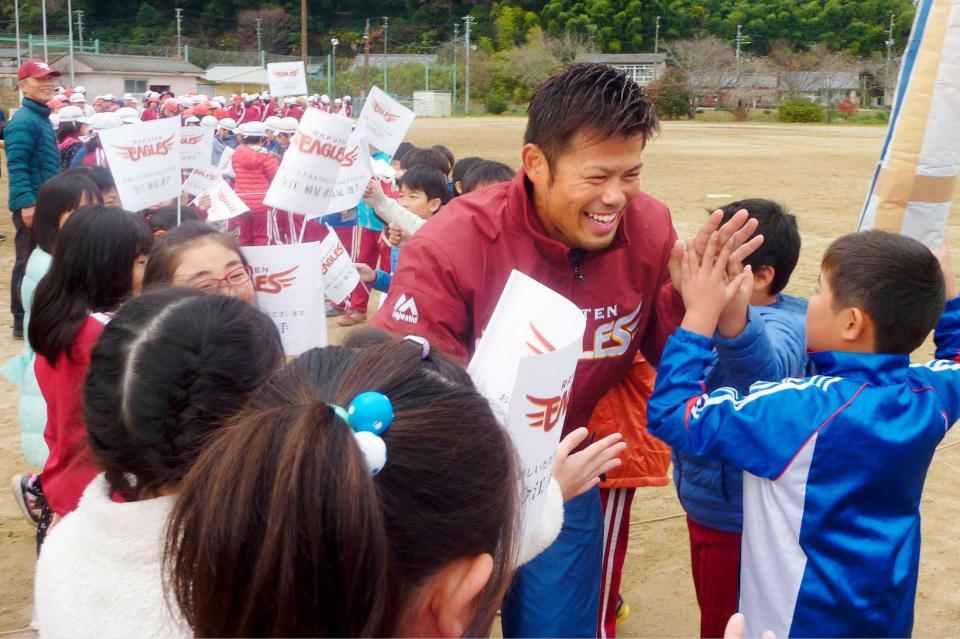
196,482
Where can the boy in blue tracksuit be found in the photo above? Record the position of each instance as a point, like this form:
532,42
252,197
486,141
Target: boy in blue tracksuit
835,462
764,341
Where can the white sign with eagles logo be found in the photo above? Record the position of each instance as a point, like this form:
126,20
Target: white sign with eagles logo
289,291
352,178
145,161
287,78
384,121
224,203
340,276
196,147
524,365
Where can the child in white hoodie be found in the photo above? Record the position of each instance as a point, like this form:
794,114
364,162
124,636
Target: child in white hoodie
169,370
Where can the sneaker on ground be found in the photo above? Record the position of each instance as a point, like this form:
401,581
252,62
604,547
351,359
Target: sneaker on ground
623,610
335,311
352,319
27,496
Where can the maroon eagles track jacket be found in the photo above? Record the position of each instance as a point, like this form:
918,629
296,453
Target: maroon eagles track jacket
453,270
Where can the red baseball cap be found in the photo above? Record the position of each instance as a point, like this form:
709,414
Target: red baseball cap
171,105
36,69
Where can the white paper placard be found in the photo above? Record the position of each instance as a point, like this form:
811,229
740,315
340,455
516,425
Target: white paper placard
226,159
289,289
196,146
340,276
201,180
224,203
287,78
308,173
145,161
524,365
384,121
352,178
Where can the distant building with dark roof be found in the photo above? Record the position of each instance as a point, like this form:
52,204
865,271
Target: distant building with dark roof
103,73
644,68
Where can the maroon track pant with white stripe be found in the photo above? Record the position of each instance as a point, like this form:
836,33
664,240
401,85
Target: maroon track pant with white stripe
616,535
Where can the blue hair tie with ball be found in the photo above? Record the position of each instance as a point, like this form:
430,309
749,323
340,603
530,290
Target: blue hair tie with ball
369,416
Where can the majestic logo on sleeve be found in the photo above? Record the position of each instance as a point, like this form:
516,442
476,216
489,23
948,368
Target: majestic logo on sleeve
138,152
405,310
611,339
276,282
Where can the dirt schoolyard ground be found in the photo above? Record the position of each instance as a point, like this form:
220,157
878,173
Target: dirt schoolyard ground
821,173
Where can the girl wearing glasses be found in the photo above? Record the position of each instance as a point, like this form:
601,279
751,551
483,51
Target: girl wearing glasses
196,254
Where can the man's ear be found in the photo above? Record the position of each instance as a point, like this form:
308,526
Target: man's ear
450,596
535,164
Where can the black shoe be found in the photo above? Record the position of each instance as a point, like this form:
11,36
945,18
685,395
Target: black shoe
2,237
18,334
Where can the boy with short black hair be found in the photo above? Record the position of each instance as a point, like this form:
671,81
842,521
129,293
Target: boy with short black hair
835,462
764,341
484,174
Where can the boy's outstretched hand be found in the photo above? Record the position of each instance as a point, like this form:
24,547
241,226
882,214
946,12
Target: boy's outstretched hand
706,286
738,228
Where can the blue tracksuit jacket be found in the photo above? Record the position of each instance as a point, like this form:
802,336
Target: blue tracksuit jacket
835,469
771,346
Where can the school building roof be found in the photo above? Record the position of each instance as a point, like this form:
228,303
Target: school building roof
115,63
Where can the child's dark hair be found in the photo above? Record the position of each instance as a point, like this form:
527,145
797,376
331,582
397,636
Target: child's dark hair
447,153
67,129
298,513
425,157
166,255
894,279
484,174
165,218
254,140
91,272
402,149
462,166
61,193
101,176
429,180
781,239
595,99
171,367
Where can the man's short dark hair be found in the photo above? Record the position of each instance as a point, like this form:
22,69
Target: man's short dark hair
427,179
894,279
486,173
425,157
781,239
592,98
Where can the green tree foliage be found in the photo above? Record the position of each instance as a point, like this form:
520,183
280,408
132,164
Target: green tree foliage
671,97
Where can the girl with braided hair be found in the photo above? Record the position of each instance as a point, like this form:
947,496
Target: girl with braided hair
170,369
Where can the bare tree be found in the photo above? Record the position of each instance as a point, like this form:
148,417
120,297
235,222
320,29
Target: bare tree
567,46
708,64
275,25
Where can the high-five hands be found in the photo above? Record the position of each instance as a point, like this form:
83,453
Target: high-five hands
738,228
706,285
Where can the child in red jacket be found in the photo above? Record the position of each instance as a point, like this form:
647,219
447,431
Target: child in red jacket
97,264
255,168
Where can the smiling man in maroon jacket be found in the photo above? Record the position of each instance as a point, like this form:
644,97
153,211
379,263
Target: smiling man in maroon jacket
574,219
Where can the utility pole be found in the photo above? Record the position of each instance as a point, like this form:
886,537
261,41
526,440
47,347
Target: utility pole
656,37
303,32
888,90
79,13
179,19
259,35
44,11
366,58
333,68
16,20
466,93
456,34
386,21
70,38
741,41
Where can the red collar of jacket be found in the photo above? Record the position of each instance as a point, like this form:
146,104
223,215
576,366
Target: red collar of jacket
522,215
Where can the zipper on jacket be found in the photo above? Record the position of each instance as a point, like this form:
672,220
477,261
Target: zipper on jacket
576,260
